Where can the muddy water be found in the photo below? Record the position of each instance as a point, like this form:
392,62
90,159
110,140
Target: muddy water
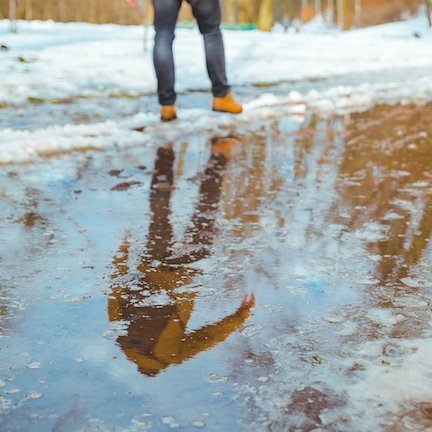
276,281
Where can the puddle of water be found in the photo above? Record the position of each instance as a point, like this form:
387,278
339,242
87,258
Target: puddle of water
278,281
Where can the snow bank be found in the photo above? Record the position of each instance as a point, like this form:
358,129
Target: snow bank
65,60
53,61
26,146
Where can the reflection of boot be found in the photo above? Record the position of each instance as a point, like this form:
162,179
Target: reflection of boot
168,113
227,104
224,146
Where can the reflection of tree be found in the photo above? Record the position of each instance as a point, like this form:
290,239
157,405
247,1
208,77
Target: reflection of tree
384,169
157,334
249,186
384,176
305,140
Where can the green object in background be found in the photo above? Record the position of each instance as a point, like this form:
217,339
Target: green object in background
225,26
186,24
247,27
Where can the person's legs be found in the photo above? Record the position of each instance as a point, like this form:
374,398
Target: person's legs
208,16
160,236
165,18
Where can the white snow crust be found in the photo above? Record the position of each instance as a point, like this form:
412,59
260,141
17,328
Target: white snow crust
78,60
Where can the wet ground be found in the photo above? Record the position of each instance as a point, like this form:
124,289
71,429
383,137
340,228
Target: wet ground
274,281
87,109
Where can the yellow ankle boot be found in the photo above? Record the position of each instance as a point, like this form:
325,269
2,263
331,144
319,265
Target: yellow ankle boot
168,113
226,104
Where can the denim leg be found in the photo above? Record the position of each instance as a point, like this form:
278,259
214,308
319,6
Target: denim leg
208,16
165,18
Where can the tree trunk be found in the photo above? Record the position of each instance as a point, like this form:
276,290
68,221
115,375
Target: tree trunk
94,11
29,10
318,7
428,12
62,10
12,15
243,11
303,10
148,14
47,10
357,12
342,9
265,15
340,16
229,11
330,13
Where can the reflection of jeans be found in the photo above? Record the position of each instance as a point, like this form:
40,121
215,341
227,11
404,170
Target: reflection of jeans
208,16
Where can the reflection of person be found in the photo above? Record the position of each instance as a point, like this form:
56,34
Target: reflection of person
157,335
208,16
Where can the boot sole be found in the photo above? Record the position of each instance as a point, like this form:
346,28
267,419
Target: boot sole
168,119
225,111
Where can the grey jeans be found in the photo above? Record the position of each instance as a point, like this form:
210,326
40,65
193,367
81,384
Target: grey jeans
208,16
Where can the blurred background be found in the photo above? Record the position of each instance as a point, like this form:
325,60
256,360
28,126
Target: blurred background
262,14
